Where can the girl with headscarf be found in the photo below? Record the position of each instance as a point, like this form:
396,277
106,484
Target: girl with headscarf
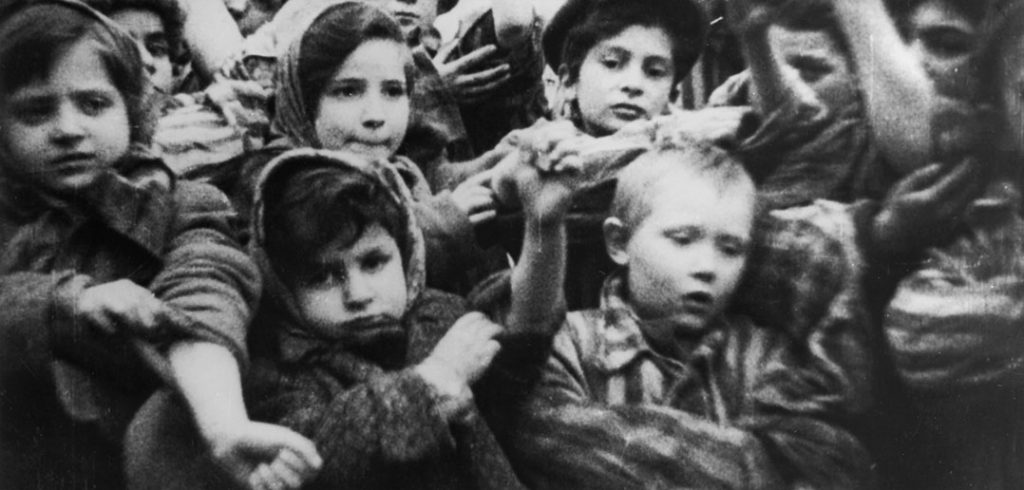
116,279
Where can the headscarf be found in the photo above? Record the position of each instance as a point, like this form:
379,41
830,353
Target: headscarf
289,332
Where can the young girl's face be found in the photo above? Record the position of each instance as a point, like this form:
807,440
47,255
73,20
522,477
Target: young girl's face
62,132
624,78
361,280
944,40
365,106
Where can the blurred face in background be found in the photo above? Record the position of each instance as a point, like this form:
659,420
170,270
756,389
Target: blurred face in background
147,29
945,39
818,59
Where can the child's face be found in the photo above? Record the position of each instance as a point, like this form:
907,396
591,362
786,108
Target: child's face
819,61
944,40
624,78
365,107
413,14
362,280
148,31
685,258
63,132
1012,91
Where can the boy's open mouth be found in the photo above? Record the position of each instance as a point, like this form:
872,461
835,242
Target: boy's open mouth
698,303
628,112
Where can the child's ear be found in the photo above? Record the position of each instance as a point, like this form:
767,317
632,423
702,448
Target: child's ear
616,237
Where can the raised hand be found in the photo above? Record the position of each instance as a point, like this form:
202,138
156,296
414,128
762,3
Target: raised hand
923,208
475,198
467,77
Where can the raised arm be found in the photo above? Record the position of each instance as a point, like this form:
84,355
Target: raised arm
897,90
771,86
211,34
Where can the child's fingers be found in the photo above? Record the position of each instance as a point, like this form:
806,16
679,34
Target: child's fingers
483,77
482,217
301,468
473,58
919,179
270,479
258,479
286,474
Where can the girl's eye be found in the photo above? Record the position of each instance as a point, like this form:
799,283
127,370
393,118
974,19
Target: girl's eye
325,278
394,91
611,61
375,262
94,105
346,91
657,71
158,49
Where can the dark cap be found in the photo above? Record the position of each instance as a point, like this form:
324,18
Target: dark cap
684,18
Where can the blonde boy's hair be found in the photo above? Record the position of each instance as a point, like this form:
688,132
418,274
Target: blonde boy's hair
711,164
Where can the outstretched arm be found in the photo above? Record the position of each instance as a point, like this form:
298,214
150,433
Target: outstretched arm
895,86
771,86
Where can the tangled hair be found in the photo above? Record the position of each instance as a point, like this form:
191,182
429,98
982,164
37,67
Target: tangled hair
693,159
610,18
33,38
331,39
309,206
1008,28
170,13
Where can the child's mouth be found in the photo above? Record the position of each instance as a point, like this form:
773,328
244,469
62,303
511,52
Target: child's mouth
628,112
698,303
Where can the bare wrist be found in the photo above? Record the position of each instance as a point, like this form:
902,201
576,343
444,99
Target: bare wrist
452,396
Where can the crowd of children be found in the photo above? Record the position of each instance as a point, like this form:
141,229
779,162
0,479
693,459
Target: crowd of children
447,244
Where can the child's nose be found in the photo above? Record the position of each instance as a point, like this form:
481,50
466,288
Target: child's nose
632,81
358,293
68,124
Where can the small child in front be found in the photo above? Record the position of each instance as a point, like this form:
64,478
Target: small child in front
665,386
351,350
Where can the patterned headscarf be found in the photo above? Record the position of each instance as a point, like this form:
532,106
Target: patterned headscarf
295,339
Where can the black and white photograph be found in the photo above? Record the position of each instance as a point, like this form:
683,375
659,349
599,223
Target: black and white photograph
511,244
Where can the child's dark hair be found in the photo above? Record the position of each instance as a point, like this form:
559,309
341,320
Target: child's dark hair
609,18
331,39
170,13
310,206
33,37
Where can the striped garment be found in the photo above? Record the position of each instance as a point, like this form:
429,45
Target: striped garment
191,136
745,408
